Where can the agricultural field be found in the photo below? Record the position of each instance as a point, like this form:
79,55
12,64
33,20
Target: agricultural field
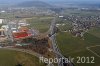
80,12
6,15
75,46
64,24
95,32
12,58
40,23
96,50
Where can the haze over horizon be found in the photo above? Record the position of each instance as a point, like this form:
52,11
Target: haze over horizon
76,1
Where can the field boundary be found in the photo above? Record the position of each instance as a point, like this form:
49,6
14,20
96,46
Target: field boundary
88,48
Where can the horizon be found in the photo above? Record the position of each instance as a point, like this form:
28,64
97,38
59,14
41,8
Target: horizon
71,1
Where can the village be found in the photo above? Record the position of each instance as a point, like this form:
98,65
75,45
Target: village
79,24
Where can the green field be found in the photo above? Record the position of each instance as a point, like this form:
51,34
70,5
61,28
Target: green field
12,58
67,24
75,46
40,23
96,49
80,12
95,32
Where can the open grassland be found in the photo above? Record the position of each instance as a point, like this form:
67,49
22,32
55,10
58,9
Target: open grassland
75,46
12,58
40,23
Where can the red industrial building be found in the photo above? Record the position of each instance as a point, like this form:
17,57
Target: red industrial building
23,33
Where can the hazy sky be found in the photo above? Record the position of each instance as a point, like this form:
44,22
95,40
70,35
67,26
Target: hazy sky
16,1
51,0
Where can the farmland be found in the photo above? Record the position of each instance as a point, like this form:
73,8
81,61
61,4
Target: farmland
40,23
74,46
14,58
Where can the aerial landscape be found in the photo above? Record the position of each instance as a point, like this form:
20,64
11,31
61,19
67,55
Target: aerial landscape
49,33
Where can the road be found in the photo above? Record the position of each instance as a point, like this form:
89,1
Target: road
54,43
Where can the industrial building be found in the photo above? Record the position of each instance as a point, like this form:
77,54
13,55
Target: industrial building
15,30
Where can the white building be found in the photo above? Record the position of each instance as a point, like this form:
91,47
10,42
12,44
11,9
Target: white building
61,16
5,27
1,21
3,11
2,32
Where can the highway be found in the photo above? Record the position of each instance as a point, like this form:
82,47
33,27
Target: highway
54,43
